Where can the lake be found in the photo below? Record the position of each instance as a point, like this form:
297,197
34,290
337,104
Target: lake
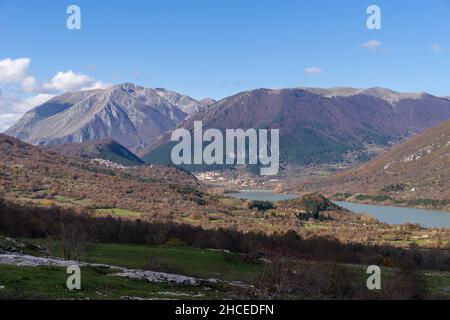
398,215
386,214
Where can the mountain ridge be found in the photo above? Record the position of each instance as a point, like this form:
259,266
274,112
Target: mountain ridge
388,95
129,114
318,128
317,125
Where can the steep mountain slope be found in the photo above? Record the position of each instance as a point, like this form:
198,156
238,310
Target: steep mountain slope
207,102
184,103
105,149
23,128
321,125
418,168
131,115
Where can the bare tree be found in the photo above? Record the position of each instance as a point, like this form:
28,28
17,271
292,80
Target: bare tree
71,236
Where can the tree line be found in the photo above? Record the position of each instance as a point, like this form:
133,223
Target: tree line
75,226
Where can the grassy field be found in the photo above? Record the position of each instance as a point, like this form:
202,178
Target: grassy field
97,284
180,260
120,212
438,282
183,260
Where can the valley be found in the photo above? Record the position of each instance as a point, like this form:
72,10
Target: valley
86,196
211,159
415,173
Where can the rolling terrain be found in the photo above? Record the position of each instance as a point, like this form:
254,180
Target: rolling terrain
31,175
416,169
153,232
39,178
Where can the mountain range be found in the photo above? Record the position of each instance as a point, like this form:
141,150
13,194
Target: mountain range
133,116
316,125
320,125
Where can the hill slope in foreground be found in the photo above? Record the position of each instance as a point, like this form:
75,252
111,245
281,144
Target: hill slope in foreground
39,178
417,169
29,174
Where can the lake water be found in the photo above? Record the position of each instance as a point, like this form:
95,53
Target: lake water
396,215
386,214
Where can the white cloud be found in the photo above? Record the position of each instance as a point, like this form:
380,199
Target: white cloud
372,45
32,102
17,72
313,70
12,107
71,81
7,120
9,114
438,48
14,104
29,84
14,70
24,92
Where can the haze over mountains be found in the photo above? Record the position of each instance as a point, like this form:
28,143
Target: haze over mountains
316,125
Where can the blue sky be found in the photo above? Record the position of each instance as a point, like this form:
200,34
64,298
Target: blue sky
220,47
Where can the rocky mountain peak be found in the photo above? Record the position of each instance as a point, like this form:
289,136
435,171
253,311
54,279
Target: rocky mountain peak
131,114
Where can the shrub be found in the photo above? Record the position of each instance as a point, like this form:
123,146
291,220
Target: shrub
175,242
75,229
428,202
394,187
341,196
306,216
47,203
260,205
315,203
375,198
